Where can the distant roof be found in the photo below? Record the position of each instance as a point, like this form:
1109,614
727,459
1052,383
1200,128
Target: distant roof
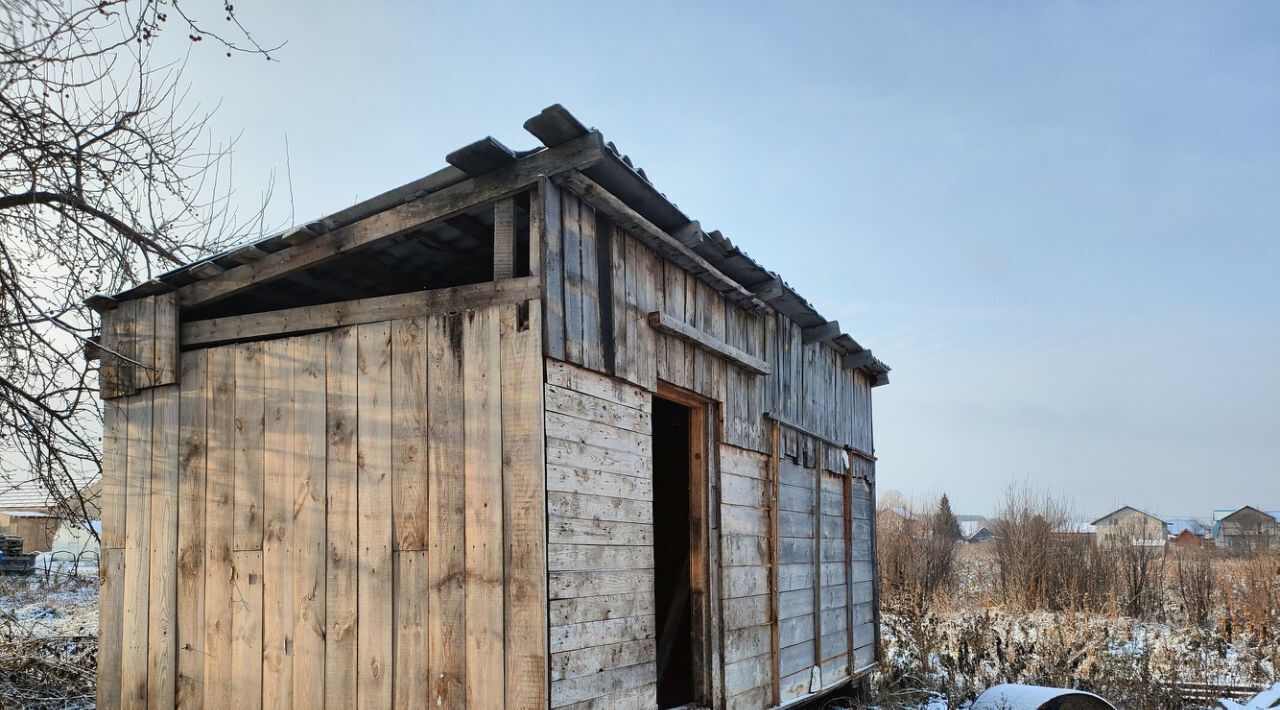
1178,525
1121,510
1078,526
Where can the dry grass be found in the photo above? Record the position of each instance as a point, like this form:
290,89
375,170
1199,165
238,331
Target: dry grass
1053,609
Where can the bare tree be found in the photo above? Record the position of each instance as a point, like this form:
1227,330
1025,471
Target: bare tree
107,175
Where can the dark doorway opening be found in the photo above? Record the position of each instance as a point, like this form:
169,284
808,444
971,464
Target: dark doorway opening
672,528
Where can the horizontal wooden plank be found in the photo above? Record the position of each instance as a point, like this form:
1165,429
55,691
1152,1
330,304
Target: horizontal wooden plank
362,310
746,643
741,462
563,374
605,436
743,612
670,325
741,676
579,610
572,690
601,633
562,557
741,490
744,551
565,585
737,520
595,659
644,697
795,603
598,532
598,507
595,458
794,659
744,581
581,480
794,630
597,409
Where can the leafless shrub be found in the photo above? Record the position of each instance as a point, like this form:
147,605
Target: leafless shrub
108,175
1194,582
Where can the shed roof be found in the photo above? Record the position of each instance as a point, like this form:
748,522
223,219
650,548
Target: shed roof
616,173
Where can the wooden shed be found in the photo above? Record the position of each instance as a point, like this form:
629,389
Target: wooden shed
517,434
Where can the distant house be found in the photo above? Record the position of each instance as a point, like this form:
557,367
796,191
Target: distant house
1247,529
1074,529
974,528
1129,526
36,528
981,534
26,511
1186,540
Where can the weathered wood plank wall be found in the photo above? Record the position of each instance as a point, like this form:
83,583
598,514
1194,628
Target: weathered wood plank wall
600,540
808,387
346,519
822,579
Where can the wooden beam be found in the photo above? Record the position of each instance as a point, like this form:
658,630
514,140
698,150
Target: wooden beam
483,156
664,323
769,291
852,361
820,333
690,235
504,239
448,202
555,125
248,254
658,240
364,310
205,270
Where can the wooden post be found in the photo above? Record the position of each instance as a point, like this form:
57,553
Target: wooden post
773,561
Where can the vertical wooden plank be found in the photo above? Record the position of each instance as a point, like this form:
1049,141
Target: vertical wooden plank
634,316
621,313
446,624
524,511
246,629
192,403
647,285
409,432
115,452
848,558
342,520
219,498
592,347
309,544
817,551
547,213
144,343
137,553
570,210
277,512
162,646
673,305
111,365
376,531
410,679
250,416
775,652
483,494
166,339
110,611
504,238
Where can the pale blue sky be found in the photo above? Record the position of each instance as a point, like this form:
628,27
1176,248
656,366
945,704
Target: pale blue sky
1058,222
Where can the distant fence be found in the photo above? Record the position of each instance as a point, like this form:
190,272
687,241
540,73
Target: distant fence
1209,692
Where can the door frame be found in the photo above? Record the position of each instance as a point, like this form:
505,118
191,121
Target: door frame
704,540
